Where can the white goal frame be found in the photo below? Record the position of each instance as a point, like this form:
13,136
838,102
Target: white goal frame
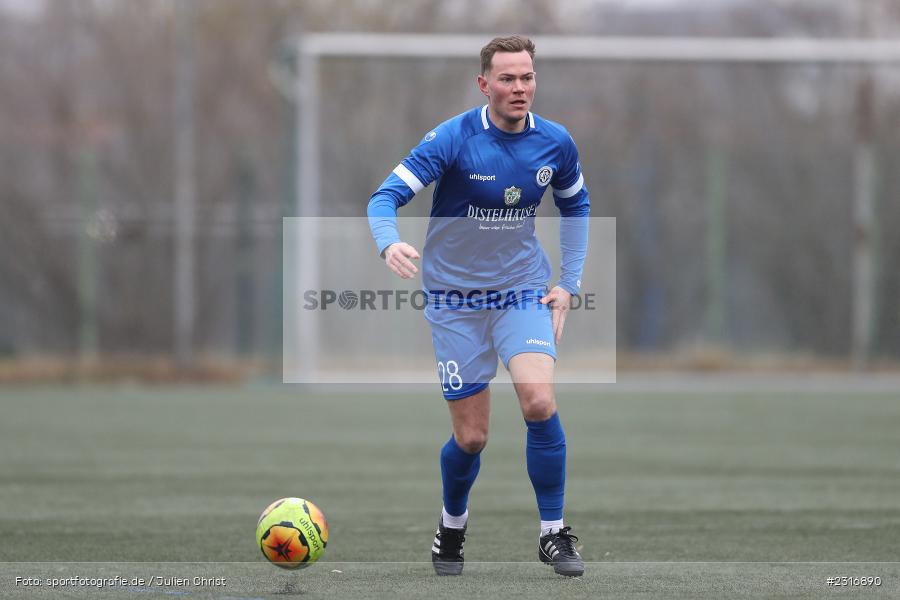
311,47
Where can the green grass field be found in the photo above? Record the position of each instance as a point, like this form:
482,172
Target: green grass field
702,495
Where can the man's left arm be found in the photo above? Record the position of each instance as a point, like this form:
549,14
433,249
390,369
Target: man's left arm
574,204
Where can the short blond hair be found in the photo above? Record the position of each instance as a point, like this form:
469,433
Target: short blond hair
512,43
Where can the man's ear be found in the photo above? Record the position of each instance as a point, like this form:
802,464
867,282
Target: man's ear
482,84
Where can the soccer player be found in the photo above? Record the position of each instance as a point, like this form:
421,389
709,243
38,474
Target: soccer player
486,278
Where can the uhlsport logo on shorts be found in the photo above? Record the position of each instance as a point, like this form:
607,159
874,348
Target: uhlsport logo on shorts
537,342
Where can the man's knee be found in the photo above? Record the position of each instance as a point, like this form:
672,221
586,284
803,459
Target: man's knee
472,441
537,401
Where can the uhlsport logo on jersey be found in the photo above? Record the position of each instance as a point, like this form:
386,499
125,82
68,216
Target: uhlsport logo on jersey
544,175
430,136
512,195
480,177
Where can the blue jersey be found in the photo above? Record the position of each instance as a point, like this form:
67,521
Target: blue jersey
488,184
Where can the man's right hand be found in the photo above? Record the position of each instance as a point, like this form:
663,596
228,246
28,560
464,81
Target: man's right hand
397,257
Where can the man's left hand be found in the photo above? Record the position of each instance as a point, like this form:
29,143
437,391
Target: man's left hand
559,301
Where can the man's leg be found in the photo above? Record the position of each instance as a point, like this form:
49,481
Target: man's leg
466,362
532,375
460,456
460,461
545,453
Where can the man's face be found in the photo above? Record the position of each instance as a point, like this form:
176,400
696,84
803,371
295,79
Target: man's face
509,86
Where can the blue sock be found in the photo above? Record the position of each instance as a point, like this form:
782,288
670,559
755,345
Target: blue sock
545,454
458,472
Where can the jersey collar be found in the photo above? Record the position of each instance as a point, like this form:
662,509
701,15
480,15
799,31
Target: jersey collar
486,123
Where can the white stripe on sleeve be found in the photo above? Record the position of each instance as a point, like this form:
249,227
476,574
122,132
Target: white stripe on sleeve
571,191
408,178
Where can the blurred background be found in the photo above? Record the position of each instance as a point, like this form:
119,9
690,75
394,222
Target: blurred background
149,150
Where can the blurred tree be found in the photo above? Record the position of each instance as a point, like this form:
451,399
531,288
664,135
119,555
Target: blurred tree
97,77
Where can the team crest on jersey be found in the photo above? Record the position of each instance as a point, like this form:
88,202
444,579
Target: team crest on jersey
512,195
544,175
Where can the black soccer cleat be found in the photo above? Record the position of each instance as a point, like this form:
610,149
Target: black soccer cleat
447,550
558,549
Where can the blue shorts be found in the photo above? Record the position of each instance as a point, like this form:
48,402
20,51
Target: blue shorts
468,337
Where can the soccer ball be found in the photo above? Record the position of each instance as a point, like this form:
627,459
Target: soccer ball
292,533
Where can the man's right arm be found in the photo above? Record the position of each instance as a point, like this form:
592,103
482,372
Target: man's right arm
397,190
382,212
425,163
